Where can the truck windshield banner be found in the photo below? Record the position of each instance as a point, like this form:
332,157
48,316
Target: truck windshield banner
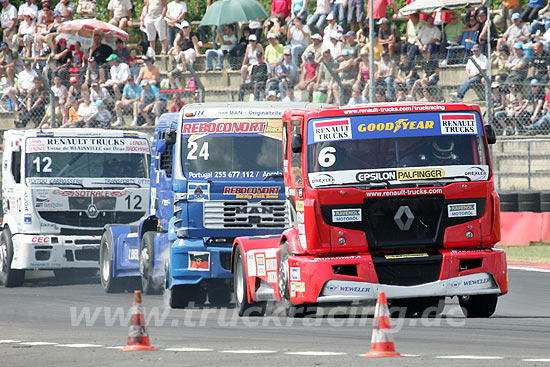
231,149
87,144
393,126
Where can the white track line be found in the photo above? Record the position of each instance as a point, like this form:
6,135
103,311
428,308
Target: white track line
313,353
410,355
37,343
117,347
248,351
79,345
469,357
189,349
536,360
9,341
529,269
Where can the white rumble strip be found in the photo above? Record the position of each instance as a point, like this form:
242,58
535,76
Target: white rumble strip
248,351
79,345
469,357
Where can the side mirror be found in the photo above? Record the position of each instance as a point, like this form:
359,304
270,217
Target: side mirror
170,137
491,135
296,143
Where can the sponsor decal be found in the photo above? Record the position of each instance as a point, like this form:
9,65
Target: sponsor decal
294,273
253,192
469,283
458,123
91,193
401,124
418,174
27,219
455,284
348,289
251,264
461,210
40,240
299,206
88,144
272,277
271,264
270,252
224,127
406,256
300,286
300,217
199,261
346,215
329,130
292,289
332,258
376,176
198,191
260,263
55,181
133,254
476,173
322,179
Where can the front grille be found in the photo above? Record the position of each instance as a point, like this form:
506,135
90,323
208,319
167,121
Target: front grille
80,232
408,271
81,219
417,226
76,203
87,255
243,214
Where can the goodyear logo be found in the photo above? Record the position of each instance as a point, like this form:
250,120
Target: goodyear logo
401,124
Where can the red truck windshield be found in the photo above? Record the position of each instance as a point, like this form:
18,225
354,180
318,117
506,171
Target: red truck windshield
395,148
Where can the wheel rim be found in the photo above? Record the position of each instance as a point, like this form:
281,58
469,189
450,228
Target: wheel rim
239,283
3,257
283,279
143,261
105,268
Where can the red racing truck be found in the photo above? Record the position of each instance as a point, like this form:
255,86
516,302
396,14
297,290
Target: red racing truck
382,197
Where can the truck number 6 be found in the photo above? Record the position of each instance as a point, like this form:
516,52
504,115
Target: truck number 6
327,157
193,147
46,164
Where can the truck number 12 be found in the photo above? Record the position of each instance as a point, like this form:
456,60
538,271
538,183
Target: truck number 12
136,201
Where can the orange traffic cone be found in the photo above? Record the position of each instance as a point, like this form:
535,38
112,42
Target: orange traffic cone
138,339
382,338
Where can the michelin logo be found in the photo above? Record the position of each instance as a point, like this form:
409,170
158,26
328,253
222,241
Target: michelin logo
346,215
461,210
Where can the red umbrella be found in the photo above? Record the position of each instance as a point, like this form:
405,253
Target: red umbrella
83,30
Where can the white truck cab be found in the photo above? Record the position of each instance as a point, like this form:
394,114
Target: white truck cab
60,187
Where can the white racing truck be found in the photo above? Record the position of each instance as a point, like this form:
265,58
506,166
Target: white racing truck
60,187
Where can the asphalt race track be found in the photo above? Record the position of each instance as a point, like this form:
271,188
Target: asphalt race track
50,323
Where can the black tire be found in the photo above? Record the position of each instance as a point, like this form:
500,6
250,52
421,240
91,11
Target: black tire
149,284
296,311
72,273
109,283
508,197
533,196
478,306
244,308
529,206
508,207
220,292
9,277
182,295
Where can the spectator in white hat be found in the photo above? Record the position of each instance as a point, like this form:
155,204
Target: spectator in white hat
316,46
30,5
274,50
175,13
186,47
331,28
252,49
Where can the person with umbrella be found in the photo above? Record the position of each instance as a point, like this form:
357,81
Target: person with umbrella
100,51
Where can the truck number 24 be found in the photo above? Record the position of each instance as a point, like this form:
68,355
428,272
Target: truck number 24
193,146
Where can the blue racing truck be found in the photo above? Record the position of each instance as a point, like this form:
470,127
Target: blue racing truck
216,174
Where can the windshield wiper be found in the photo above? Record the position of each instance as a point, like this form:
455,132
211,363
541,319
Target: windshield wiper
275,175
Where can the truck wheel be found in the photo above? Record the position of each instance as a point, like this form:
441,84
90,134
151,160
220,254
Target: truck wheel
8,277
109,283
182,295
240,286
478,306
299,311
149,284
219,292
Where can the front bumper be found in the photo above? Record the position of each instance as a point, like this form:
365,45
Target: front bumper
191,262
55,252
315,279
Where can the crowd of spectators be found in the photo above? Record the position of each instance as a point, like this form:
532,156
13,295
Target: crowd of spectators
291,56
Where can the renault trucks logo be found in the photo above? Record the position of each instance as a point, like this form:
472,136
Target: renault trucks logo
92,211
404,218
328,130
458,123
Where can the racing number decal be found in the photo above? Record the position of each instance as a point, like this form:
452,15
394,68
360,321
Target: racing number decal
203,152
46,163
327,157
136,201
